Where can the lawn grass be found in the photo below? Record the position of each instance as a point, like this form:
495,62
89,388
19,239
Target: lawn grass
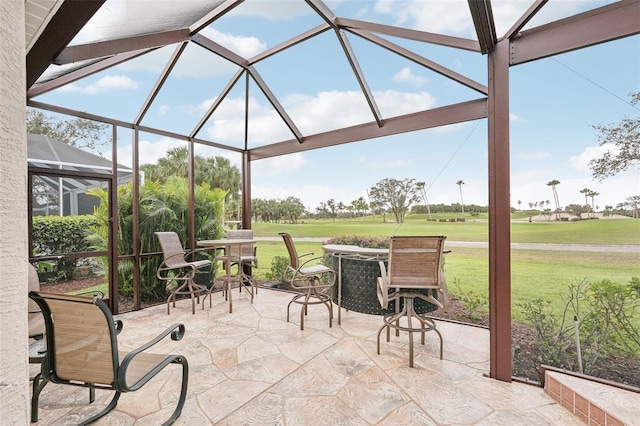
600,231
534,273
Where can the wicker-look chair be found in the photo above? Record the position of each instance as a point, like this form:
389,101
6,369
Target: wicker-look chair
247,255
175,268
414,272
314,281
82,350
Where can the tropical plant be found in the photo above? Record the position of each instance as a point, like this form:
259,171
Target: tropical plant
586,192
161,207
217,172
553,184
460,183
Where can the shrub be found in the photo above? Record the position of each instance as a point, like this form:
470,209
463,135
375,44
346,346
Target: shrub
62,234
278,267
475,304
607,314
360,241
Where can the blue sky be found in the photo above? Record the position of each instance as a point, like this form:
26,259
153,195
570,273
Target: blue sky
554,102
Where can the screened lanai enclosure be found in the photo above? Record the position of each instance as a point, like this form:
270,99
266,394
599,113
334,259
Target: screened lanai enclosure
253,81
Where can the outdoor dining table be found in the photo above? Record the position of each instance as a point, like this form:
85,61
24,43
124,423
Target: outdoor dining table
341,250
225,245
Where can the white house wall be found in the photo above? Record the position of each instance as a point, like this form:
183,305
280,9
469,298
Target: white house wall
14,380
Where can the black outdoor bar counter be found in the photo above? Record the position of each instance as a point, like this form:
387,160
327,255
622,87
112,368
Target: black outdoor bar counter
357,270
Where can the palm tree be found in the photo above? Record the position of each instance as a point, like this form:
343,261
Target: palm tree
585,192
553,183
592,195
420,186
460,183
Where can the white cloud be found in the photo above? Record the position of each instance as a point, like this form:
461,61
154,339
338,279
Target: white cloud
150,152
275,10
164,109
284,164
326,111
334,109
195,61
405,75
453,17
242,45
581,161
514,118
107,83
228,124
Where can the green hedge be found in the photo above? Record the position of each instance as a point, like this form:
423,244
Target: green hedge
62,234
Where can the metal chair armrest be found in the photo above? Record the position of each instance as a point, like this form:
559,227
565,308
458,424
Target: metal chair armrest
176,331
309,260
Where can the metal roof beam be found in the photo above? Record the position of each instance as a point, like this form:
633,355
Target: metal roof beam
63,27
483,21
291,42
425,37
323,11
420,60
83,72
596,26
274,102
219,50
353,61
451,114
216,13
160,82
102,49
217,102
525,18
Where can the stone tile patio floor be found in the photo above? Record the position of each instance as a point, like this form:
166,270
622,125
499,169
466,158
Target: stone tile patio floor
252,367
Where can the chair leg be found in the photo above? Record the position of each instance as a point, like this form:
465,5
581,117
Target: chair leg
106,410
183,390
38,384
408,310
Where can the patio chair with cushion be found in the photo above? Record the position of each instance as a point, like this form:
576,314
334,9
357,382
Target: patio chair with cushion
314,281
179,272
247,254
414,273
82,350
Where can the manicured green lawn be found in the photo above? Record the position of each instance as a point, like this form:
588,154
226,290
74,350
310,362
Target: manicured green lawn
600,231
535,273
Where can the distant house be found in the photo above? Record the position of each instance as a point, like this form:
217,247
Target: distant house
61,195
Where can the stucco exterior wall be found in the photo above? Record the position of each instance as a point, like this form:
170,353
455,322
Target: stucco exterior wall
14,374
